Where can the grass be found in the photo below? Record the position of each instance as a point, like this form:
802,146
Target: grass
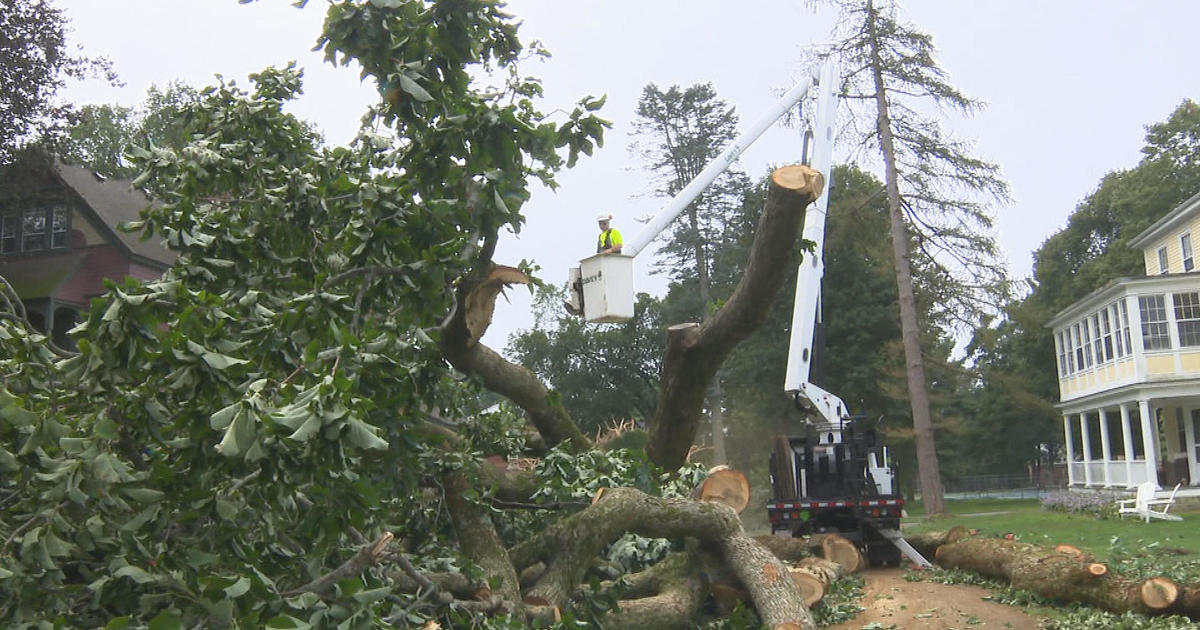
1132,548
1027,521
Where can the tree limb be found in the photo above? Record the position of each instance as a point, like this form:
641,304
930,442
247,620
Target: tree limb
696,351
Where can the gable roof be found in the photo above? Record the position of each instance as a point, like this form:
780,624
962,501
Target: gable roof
115,201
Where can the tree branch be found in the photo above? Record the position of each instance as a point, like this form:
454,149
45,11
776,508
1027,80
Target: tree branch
695,352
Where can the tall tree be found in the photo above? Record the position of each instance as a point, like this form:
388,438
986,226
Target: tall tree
36,62
933,188
679,132
100,135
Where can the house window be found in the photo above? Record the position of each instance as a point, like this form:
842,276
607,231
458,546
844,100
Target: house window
34,230
1077,346
1087,343
1155,335
1124,325
1187,317
1063,369
1185,246
1162,259
1106,335
8,233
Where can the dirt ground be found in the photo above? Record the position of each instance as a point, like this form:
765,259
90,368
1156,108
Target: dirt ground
895,604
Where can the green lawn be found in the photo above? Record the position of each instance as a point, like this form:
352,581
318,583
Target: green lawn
1027,521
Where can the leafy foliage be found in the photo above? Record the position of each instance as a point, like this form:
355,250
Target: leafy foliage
242,425
37,63
101,134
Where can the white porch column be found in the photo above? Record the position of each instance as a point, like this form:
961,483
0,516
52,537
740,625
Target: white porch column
1085,435
1070,449
1127,437
1149,440
1105,447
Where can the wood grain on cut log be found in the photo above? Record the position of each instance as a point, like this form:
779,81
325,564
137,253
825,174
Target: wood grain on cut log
724,485
1058,576
840,550
814,576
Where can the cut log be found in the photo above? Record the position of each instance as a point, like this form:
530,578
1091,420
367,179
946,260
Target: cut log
1058,576
782,476
724,485
785,548
927,543
814,576
839,550
1159,592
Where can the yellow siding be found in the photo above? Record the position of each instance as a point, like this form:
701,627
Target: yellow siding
1174,251
1159,365
1126,369
1190,361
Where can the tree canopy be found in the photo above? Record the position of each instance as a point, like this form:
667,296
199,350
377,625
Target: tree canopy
37,61
288,428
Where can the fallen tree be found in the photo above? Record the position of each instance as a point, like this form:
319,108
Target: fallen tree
288,427
1060,573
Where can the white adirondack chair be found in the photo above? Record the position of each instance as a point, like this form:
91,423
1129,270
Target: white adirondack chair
1146,507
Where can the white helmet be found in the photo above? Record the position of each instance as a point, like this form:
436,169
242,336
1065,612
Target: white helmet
604,217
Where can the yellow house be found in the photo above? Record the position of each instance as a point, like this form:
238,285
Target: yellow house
1128,360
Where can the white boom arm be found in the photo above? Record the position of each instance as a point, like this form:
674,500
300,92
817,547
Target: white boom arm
807,307
714,169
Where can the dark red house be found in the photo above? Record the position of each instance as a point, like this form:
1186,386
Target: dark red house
59,240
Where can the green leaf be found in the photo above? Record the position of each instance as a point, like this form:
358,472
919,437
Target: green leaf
143,495
119,623
308,429
410,86
223,416
238,588
364,435
238,436
137,575
166,620
226,509
371,596
286,622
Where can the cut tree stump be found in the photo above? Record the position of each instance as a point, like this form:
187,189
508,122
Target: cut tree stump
724,485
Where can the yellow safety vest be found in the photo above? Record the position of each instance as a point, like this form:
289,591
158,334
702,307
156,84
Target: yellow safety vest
609,238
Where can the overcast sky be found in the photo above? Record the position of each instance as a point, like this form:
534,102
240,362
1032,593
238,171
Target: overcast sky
1070,84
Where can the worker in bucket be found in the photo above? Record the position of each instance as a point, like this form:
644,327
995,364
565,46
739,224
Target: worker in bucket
610,238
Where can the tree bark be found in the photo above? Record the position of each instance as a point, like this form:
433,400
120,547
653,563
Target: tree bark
460,345
695,353
927,463
478,541
569,546
814,576
1066,577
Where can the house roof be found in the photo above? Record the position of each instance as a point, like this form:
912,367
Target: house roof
115,201
1167,223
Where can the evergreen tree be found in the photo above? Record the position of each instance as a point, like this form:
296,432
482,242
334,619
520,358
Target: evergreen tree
933,186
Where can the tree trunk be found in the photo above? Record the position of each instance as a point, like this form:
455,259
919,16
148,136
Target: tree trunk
814,576
1065,575
694,353
715,409
569,546
724,485
927,462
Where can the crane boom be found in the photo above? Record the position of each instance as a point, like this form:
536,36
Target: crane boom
807,307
